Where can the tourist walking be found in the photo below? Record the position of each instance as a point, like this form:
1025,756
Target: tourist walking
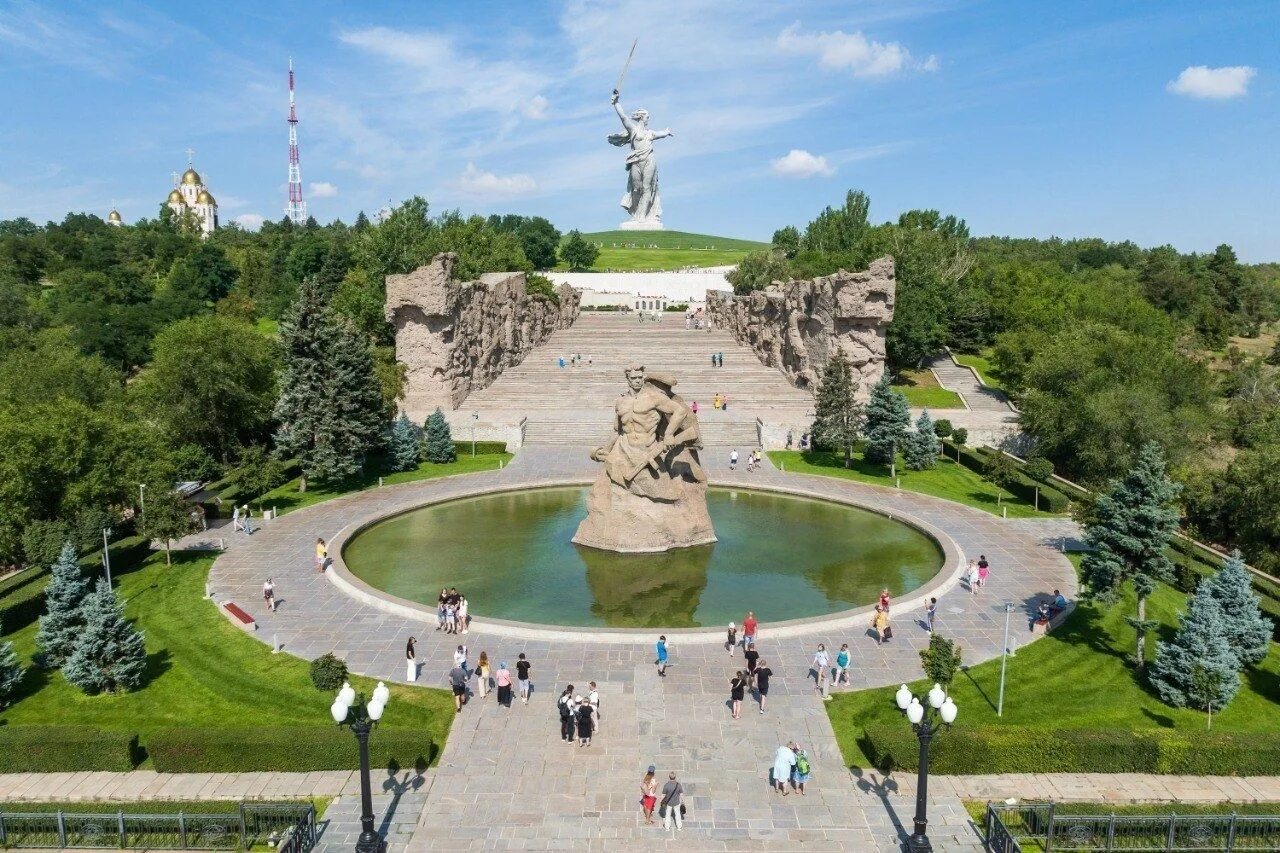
672,809
482,673
930,614
971,576
880,622
522,677
502,679
720,358
247,515
733,458
693,407
585,714
783,760
649,793
236,524
763,674
801,772
661,661
410,661
752,658
565,706
821,665
269,595
460,658
749,629
322,554
458,680
984,571
593,698
732,639
842,665
737,692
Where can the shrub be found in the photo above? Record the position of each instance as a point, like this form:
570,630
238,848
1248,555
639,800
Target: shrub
1013,749
1205,753
297,749
960,435
976,459
46,749
328,672
484,448
42,542
942,428
1038,468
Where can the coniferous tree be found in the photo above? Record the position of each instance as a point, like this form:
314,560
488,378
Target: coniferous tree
839,417
1198,667
330,404
406,451
887,420
10,671
1133,522
438,442
921,449
110,654
62,620
1248,631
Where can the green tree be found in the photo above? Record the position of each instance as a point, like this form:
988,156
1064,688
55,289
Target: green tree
438,440
10,671
212,382
1000,472
887,420
539,239
397,244
1133,522
258,472
839,416
576,253
360,298
1039,468
330,407
1248,632
168,517
757,270
197,281
941,660
110,654
920,450
1201,643
404,444
786,241
62,621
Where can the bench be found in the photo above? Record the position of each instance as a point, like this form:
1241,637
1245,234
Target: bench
238,617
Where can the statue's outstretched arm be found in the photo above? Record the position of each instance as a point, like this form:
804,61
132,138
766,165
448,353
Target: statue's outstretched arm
664,133
626,120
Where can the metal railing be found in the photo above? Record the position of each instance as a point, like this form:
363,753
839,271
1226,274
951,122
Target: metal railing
289,828
1014,828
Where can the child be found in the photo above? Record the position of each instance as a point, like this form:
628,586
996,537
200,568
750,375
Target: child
732,639
884,599
971,576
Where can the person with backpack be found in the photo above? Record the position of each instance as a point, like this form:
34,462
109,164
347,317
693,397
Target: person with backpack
783,760
565,706
842,665
737,692
672,807
593,699
801,772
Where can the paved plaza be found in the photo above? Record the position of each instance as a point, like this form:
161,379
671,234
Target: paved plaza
506,780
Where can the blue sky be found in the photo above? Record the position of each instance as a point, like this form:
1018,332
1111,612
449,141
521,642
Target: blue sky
1155,121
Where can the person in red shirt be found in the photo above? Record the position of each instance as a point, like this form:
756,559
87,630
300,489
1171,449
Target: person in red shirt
749,629
884,600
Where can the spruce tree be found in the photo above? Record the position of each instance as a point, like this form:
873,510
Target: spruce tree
404,444
438,443
839,418
1248,631
330,405
10,671
110,654
62,620
921,449
1133,522
1198,667
887,420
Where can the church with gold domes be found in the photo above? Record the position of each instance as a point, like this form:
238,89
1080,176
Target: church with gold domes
192,196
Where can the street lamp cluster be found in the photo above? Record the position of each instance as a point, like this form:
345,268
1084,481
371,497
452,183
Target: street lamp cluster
922,719
360,716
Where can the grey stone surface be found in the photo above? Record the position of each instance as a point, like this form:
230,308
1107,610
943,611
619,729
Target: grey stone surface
798,325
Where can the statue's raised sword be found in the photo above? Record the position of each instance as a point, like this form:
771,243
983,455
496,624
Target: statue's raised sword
618,88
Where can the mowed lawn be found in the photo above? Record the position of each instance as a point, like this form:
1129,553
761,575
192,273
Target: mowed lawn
1078,677
287,498
202,671
947,479
923,391
628,251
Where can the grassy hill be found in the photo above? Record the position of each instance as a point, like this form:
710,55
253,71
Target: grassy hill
666,250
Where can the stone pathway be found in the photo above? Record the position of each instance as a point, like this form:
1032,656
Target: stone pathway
506,780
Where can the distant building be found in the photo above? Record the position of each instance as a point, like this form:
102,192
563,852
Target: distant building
113,218
191,195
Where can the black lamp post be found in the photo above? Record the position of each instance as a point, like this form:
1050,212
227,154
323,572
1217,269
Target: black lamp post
361,716
941,711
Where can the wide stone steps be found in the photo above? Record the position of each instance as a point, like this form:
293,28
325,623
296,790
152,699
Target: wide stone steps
590,433
978,397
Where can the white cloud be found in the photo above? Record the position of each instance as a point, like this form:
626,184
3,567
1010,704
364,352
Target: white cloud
1201,81
799,163
249,221
841,51
475,182
536,108
323,189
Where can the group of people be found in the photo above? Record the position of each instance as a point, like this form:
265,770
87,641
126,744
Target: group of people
488,679
976,573
696,320
791,765
754,458
579,715
804,440
717,359
452,612
573,360
242,520
757,673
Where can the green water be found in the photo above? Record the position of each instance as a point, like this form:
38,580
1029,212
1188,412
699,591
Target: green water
510,554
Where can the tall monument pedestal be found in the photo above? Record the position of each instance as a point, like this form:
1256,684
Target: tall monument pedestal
646,225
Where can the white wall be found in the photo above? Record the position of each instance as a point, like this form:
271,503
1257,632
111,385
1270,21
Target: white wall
614,288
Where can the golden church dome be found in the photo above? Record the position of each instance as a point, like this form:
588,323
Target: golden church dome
175,197
114,216
205,197
191,177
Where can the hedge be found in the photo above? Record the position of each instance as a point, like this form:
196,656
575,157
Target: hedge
46,749
483,448
299,749
975,459
1024,749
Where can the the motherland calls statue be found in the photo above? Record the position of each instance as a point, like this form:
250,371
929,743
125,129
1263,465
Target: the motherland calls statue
641,198
652,493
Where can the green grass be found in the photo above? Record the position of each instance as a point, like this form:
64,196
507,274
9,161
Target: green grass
268,327
923,391
947,480
201,670
982,364
666,250
1078,677
287,498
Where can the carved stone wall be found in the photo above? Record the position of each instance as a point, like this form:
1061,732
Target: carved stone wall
457,337
797,326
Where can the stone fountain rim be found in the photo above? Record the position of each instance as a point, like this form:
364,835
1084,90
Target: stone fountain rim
946,578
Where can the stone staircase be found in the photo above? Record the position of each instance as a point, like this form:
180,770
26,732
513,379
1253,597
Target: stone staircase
573,405
977,397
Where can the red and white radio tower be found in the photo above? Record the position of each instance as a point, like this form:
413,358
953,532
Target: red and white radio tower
297,208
